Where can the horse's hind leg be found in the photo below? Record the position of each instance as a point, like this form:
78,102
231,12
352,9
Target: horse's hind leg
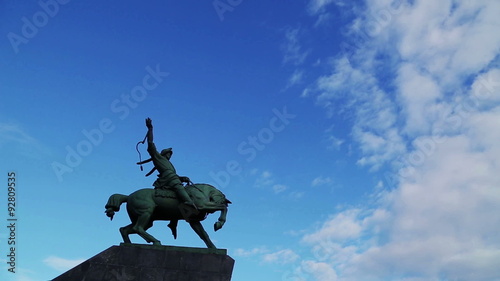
125,231
143,223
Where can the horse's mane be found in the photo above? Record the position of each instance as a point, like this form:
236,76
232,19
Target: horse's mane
205,188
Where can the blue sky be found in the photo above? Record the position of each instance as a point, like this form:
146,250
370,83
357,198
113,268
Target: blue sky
357,140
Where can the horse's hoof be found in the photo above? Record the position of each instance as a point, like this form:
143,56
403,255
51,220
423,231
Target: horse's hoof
217,226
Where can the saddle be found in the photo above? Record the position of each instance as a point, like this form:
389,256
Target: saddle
165,193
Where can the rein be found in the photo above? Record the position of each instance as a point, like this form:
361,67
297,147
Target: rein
137,148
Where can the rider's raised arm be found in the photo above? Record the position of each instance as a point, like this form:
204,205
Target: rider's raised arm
151,146
149,125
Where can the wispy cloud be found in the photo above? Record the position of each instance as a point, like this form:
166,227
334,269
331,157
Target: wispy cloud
319,270
264,179
295,78
19,140
281,257
252,252
335,142
284,256
293,50
278,188
354,90
13,133
61,264
321,181
344,225
296,195
317,6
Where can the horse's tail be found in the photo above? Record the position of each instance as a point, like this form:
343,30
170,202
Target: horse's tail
114,203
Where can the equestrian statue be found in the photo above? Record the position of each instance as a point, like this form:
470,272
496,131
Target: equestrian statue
173,198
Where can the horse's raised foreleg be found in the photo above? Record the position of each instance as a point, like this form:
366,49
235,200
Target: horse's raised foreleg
198,228
143,223
222,219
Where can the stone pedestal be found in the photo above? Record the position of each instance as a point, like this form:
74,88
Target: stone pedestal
135,262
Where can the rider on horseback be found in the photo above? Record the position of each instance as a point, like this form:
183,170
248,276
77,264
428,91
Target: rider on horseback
168,178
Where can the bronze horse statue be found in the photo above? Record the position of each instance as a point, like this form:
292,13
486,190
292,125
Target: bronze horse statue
147,205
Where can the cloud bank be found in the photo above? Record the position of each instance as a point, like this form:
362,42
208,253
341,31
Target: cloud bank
422,81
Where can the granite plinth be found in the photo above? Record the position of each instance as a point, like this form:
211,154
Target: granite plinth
135,262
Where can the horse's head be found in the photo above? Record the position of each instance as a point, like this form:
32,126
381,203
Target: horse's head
207,197
218,198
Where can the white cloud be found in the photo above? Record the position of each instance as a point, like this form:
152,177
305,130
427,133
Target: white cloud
13,133
62,264
485,88
323,19
380,147
264,179
426,85
449,38
278,188
20,141
335,143
295,195
419,92
320,270
294,52
281,257
344,225
249,253
441,115
321,181
353,90
296,77
317,6
266,175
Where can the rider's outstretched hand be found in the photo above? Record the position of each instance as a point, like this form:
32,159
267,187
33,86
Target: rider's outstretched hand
149,123
185,179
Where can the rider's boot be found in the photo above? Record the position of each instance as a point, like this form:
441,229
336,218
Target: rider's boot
184,197
187,208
